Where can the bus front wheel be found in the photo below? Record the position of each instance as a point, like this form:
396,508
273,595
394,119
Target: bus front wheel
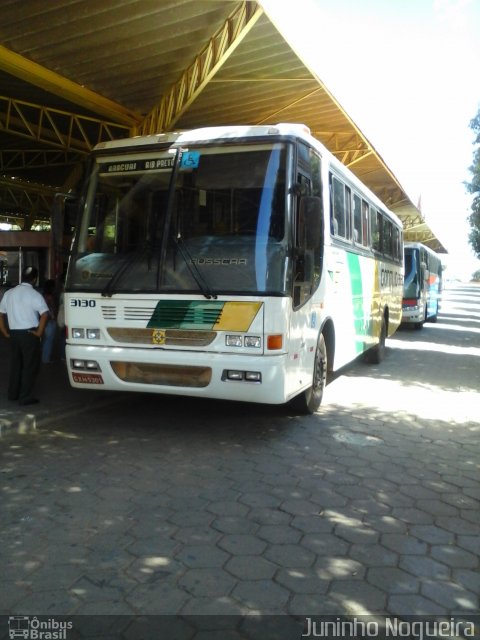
434,318
419,325
310,400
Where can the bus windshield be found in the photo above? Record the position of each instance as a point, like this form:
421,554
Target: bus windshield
410,284
209,219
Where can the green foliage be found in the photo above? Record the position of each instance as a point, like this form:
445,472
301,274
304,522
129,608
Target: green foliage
473,187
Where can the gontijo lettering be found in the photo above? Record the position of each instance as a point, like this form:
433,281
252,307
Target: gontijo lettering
390,278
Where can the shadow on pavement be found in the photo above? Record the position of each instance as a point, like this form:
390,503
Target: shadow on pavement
160,505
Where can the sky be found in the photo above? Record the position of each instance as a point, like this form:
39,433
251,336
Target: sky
406,72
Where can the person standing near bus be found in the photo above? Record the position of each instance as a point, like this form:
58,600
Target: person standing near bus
27,314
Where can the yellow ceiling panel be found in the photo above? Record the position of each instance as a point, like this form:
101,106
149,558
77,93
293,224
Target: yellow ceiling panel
116,61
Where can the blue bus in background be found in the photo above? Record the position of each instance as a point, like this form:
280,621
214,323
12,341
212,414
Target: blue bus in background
422,285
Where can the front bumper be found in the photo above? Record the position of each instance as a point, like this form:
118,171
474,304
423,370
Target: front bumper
179,373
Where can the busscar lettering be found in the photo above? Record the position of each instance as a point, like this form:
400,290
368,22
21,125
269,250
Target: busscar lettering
224,262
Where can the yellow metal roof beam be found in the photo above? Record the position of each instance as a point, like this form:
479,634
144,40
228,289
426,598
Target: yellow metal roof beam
27,187
56,84
353,157
273,114
206,64
261,79
18,159
12,201
342,140
61,129
390,195
415,225
30,198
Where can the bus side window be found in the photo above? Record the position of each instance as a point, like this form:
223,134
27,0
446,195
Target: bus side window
397,252
365,221
387,238
377,231
348,213
338,207
357,220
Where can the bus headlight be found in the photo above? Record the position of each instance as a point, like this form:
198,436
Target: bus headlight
233,374
90,334
90,365
239,341
253,341
242,376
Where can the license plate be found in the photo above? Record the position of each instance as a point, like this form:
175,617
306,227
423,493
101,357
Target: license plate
87,378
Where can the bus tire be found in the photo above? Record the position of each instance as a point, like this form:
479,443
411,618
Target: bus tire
376,354
435,315
419,325
310,400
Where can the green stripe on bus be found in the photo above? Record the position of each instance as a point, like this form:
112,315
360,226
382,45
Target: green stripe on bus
185,314
357,301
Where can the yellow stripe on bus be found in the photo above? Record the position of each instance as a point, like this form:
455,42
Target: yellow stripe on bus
237,316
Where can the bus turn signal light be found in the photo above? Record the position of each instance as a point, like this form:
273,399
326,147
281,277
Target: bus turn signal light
274,342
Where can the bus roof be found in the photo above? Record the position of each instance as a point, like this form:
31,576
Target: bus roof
210,134
205,134
419,245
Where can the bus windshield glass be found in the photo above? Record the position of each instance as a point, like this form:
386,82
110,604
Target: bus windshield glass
410,284
206,219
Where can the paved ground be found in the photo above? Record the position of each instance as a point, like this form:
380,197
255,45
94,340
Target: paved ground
140,505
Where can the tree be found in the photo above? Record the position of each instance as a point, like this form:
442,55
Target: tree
473,187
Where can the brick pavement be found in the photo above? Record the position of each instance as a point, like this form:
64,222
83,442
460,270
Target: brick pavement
151,506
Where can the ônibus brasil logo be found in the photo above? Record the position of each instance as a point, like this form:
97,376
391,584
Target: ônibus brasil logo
35,629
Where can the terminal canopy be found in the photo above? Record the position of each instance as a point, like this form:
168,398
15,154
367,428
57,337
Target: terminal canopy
74,74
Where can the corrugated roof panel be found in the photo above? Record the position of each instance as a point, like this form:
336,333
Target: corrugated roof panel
128,50
131,52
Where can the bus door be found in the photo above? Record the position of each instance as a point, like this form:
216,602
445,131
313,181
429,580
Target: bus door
305,313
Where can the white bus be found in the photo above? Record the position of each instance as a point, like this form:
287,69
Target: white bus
422,285
236,263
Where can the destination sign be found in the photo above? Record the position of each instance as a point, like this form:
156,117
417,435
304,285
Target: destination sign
138,164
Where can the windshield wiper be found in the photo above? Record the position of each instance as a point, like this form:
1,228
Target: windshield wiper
193,269
107,291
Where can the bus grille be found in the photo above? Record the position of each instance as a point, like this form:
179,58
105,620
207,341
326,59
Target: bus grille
167,337
185,314
170,314
109,312
138,313
162,374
